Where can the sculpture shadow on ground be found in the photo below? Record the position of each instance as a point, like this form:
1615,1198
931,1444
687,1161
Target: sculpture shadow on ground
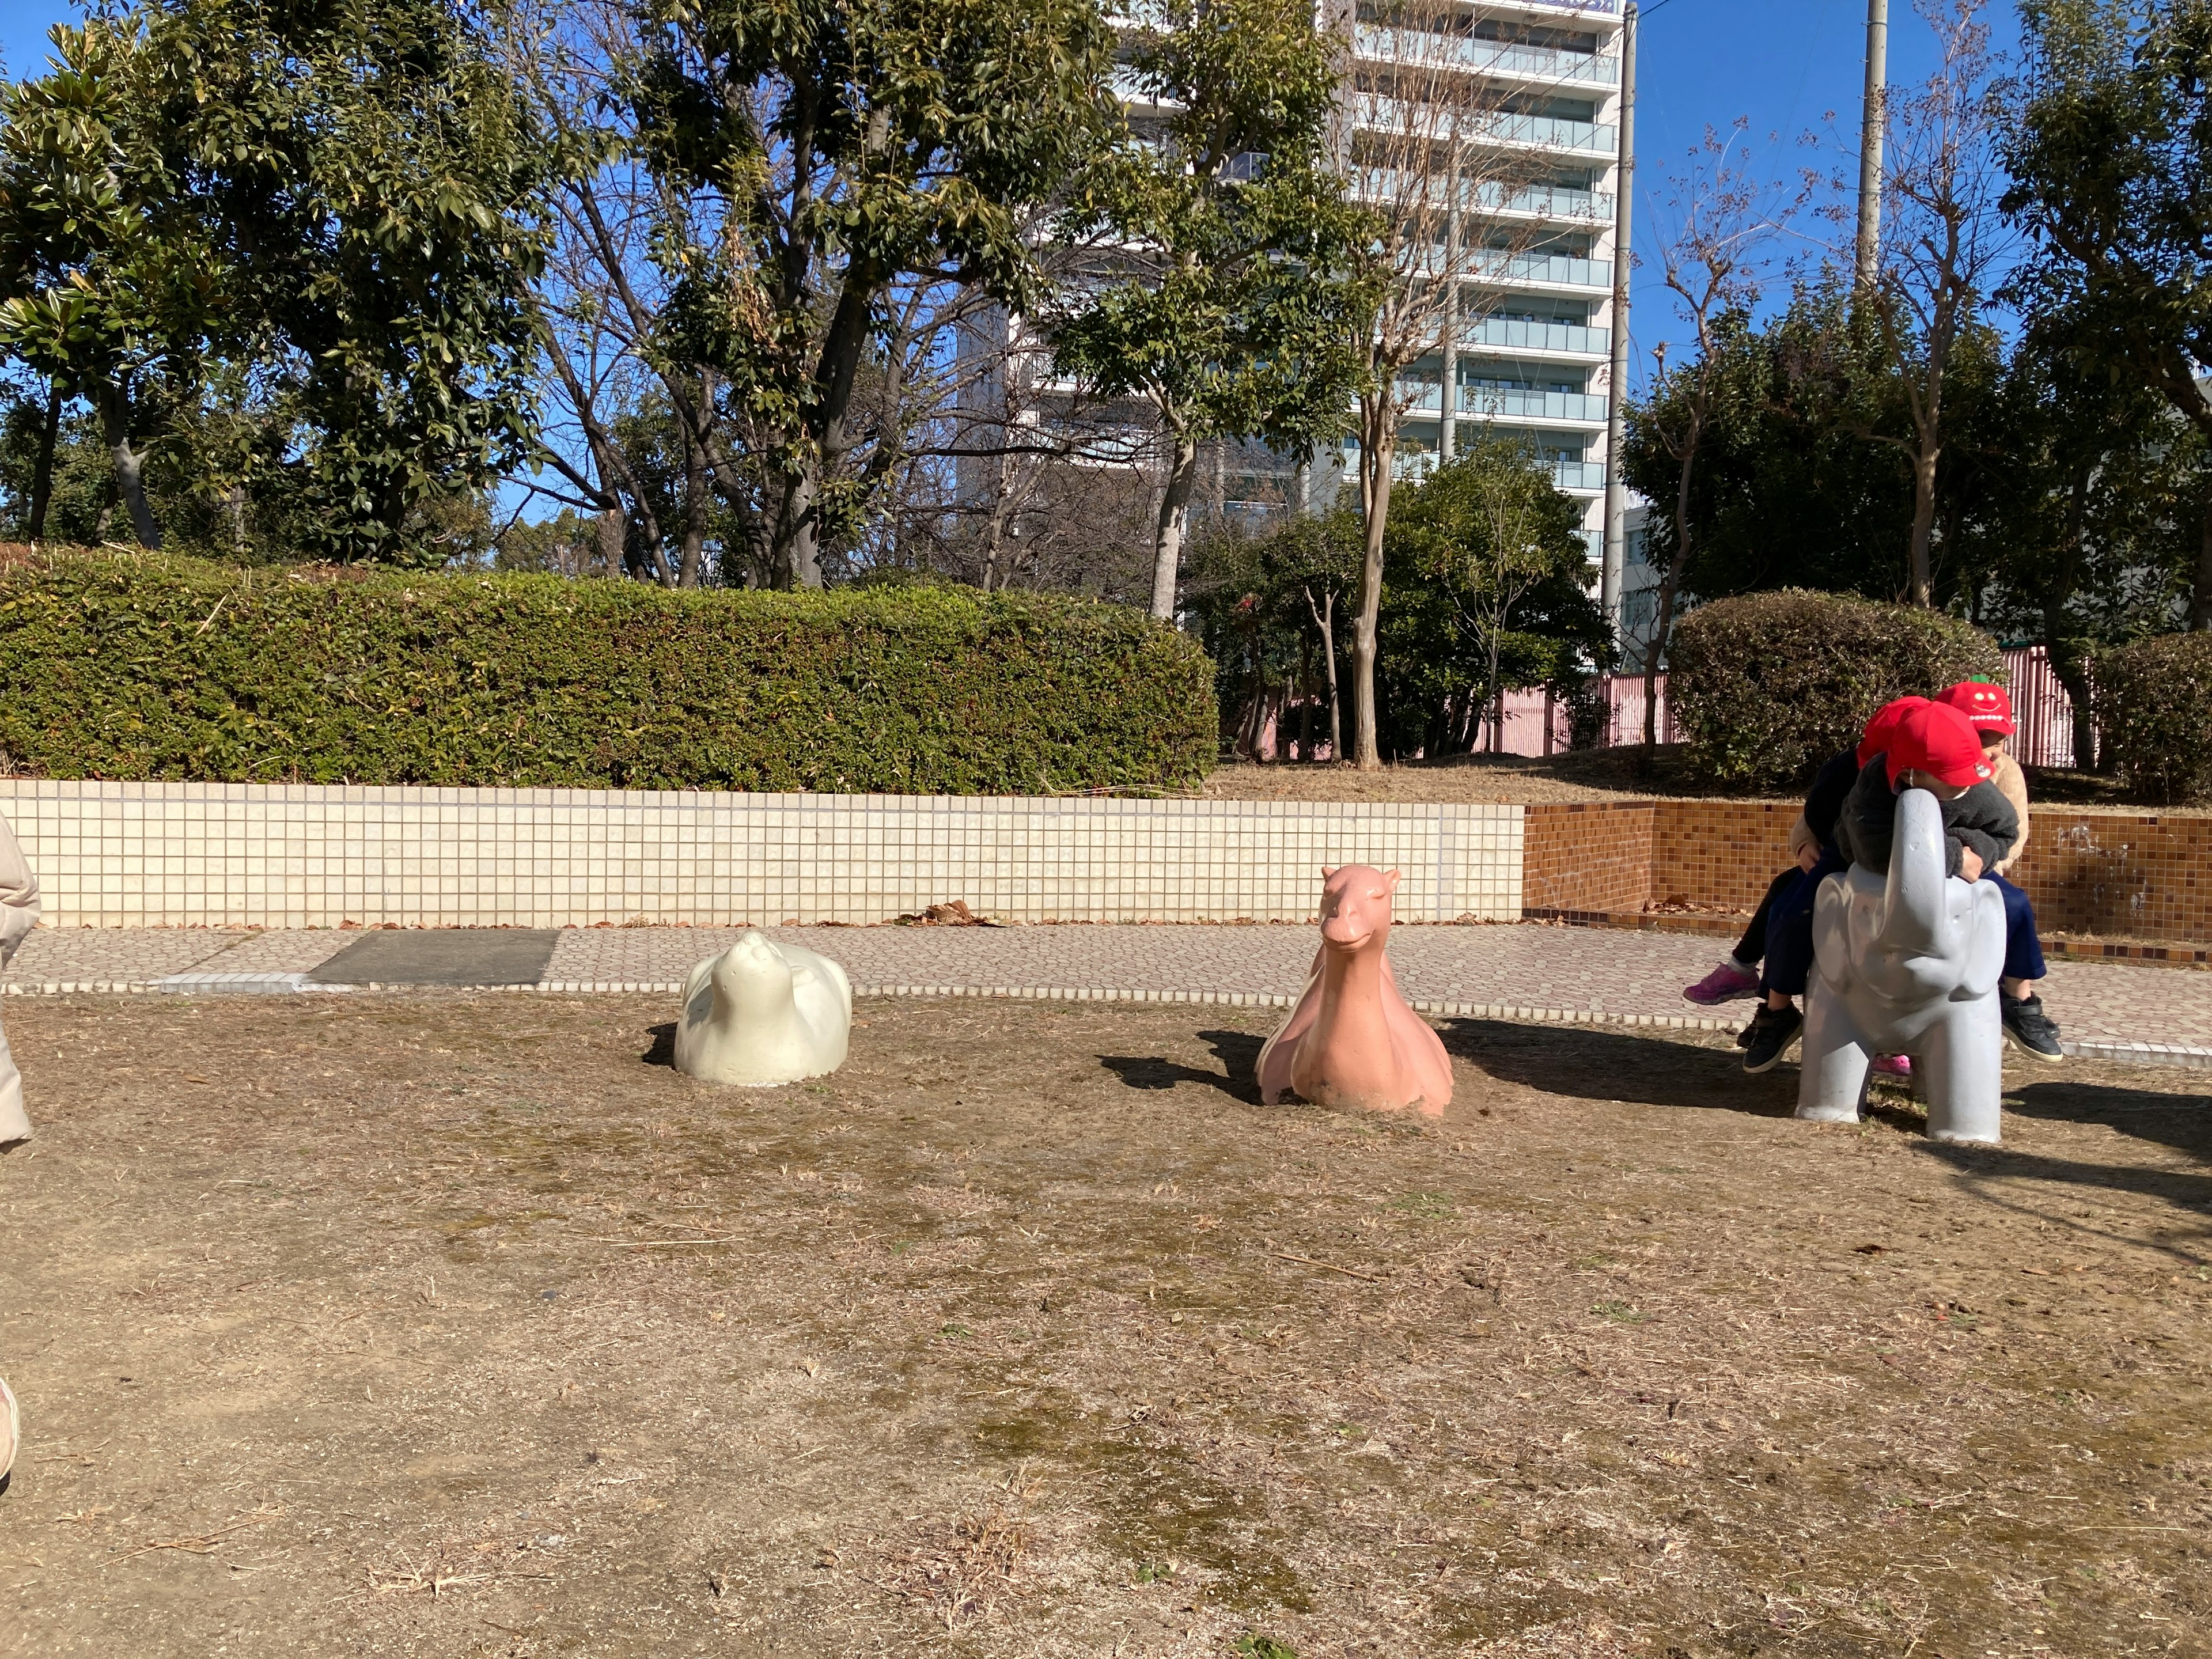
663,1051
1597,1062
2180,1121
1237,1051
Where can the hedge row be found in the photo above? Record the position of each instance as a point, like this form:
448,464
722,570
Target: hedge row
2154,716
144,667
1766,687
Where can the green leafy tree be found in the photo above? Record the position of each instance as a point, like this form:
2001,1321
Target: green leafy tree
817,161
2082,528
293,243
2111,160
1500,546
1220,291
108,280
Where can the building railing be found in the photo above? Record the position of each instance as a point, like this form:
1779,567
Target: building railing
1420,47
1578,475
1518,334
1557,268
1521,405
1373,113
1387,187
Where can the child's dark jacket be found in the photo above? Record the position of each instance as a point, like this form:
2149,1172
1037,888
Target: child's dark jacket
1982,818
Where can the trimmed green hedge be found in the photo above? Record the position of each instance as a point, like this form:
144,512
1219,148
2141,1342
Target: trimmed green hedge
144,667
1766,687
2154,716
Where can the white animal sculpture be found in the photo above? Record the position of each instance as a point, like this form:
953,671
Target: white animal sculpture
763,1013
1907,965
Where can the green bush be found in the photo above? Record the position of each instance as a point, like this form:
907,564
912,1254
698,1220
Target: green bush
1768,686
142,666
2154,716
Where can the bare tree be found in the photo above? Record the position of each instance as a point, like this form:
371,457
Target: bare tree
1444,158
1711,263
1948,240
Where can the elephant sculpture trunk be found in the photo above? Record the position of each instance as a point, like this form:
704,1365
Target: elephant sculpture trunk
1907,962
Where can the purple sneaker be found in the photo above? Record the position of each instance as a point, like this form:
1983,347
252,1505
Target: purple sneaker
1894,1066
1724,984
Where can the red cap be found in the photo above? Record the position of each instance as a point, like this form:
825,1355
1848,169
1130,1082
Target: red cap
1884,723
1983,704
1937,739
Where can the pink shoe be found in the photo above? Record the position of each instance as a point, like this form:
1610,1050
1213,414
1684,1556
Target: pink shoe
1894,1066
1724,984
10,1431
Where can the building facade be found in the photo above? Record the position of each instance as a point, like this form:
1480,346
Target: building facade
1542,133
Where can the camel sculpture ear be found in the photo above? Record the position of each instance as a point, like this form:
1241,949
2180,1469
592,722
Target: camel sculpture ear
1326,871
1391,877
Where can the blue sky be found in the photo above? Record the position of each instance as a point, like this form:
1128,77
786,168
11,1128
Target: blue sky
1790,67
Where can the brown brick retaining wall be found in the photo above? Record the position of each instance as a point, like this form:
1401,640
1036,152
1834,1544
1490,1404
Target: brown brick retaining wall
2113,875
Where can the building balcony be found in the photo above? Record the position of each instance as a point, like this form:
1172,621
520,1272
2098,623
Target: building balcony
1541,269
1583,477
1389,46
1388,188
1482,403
1373,113
1517,334
1492,402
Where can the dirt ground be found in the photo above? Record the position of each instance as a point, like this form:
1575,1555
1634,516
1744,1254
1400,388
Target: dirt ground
1585,775
463,1325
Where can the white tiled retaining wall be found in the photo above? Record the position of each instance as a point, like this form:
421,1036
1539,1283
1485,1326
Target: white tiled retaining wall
149,854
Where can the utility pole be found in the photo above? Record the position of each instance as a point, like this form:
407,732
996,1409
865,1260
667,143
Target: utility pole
1611,570
1448,405
1867,266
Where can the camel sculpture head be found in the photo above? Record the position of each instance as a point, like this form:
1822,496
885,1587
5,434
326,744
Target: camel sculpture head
1355,906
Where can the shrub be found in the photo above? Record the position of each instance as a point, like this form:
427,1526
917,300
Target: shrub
2154,716
142,666
1766,687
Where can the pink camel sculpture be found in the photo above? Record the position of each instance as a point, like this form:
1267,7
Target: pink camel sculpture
1352,1041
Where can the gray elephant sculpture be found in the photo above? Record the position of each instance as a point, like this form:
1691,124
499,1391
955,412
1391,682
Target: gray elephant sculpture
1907,965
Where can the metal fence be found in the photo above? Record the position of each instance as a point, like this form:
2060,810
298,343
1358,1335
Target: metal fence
1535,723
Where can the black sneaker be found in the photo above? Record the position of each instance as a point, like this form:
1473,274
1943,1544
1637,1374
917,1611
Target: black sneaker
2030,1028
1773,1031
1743,1038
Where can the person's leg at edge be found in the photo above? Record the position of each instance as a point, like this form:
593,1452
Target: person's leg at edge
2027,1025
1789,962
14,1129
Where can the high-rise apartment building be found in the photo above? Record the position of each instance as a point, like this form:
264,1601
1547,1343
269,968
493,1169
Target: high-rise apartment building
1529,96
1541,134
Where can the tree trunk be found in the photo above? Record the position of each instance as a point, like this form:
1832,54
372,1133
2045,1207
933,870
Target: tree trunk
795,553
42,479
130,465
1661,629
609,526
2200,598
1175,514
1324,616
1923,520
1377,440
692,545
1305,697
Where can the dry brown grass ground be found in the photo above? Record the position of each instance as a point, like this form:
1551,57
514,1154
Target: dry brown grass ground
464,1326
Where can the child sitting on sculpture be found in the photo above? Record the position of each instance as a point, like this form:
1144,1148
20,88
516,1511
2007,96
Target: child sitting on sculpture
1813,835
2027,1028
1909,743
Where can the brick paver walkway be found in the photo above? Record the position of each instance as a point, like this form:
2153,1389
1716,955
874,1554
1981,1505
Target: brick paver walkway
2115,1011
